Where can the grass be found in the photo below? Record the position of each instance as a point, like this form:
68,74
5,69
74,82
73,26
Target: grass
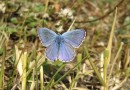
102,61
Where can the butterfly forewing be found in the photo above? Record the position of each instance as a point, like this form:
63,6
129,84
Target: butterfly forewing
66,52
47,36
74,37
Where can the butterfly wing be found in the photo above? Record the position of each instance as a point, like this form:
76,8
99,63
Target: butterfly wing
46,36
66,52
74,37
52,51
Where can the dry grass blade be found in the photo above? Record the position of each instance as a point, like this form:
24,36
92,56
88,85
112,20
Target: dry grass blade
24,75
41,78
107,54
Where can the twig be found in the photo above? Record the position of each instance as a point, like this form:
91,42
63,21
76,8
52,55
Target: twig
102,17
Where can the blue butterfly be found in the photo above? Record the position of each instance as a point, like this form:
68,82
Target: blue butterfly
61,46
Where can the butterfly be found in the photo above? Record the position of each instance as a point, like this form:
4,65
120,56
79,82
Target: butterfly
61,46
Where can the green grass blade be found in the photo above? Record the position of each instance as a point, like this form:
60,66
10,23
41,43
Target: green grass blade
69,71
95,69
50,84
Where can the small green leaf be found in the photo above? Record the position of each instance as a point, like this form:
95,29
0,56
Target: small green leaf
14,20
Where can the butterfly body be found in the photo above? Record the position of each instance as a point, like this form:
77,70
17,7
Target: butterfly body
59,39
61,46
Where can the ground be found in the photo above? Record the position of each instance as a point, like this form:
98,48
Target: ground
102,61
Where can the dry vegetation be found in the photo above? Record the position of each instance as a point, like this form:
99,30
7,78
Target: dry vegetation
102,61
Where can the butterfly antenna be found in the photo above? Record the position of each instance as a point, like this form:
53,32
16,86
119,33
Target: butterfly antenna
72,24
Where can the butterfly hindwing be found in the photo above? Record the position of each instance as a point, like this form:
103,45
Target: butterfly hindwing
52,51
46,36
66,52
74,37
